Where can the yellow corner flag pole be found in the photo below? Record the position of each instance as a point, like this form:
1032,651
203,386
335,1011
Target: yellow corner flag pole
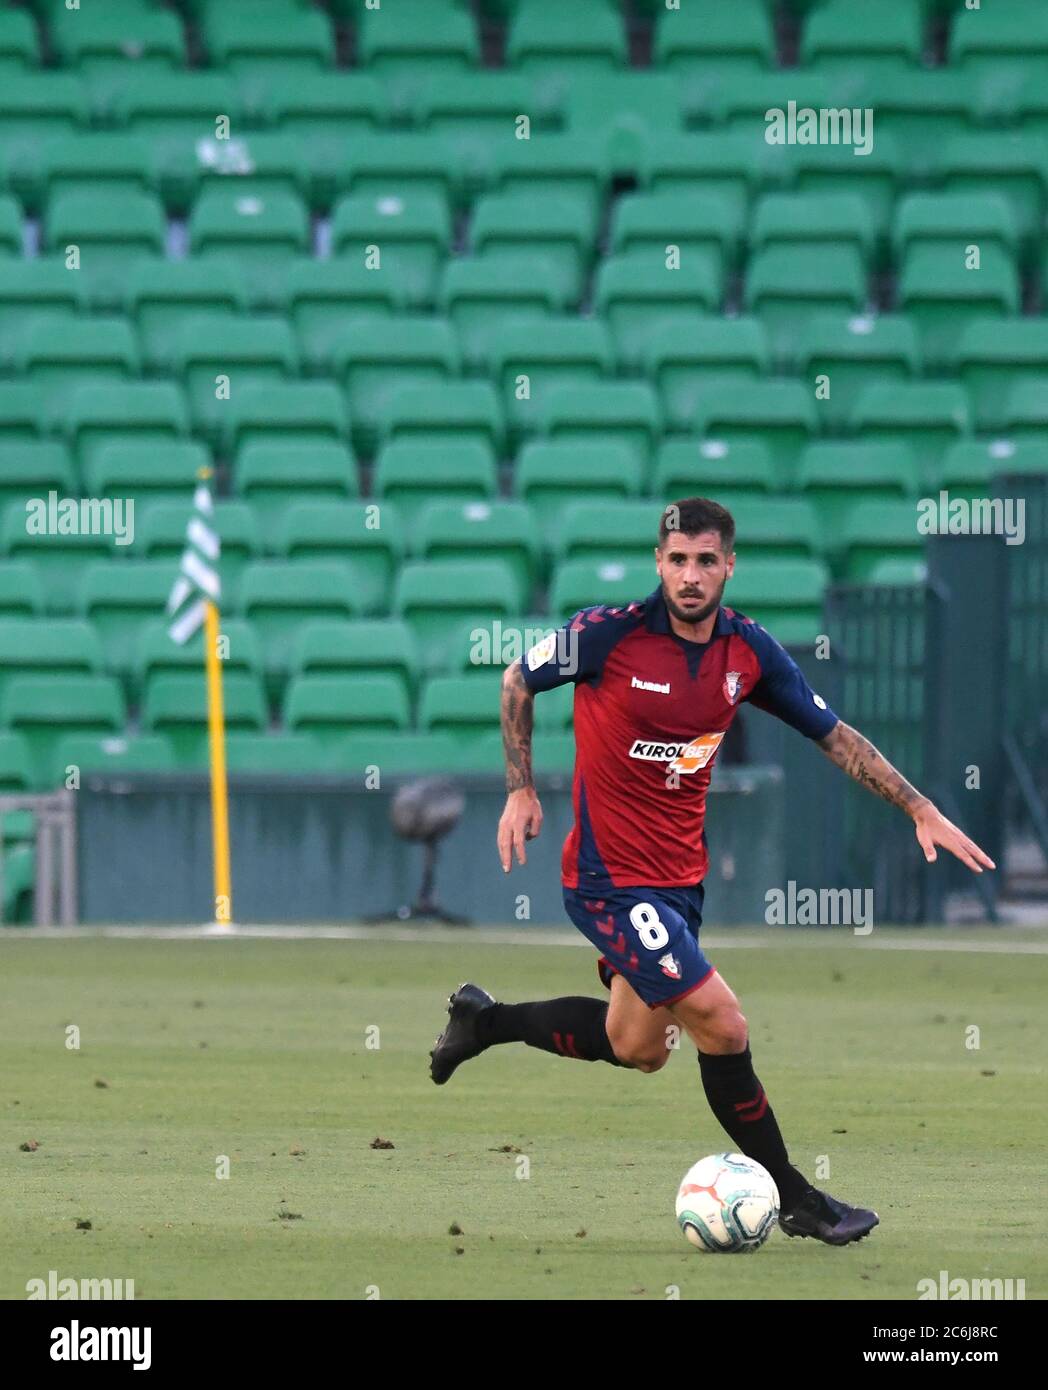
216,728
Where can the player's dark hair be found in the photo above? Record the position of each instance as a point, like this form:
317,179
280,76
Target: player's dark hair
693,515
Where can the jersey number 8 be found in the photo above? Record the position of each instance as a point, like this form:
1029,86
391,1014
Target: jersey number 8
648,927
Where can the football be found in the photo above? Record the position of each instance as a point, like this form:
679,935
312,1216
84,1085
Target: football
727,1202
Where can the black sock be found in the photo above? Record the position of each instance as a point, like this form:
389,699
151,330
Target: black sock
737,1099
570,1027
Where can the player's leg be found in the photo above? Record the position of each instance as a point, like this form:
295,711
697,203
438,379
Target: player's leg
712,1018
640,1036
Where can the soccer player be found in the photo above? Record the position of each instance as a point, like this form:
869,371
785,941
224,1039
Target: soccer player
657,683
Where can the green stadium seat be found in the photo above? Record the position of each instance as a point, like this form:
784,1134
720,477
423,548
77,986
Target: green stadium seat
327,298
23,412
413,473
463,706
403,164
605,412
705,468
798,220
60,647
551,166
966,470
526,366
21,590
622,111
990,362
740,109
109,233
439,597
271,481
275,755
279,598
683,359
457,413
777,528
1003,457
1026,410
377,361
43,708
898,573
625,531
167,472
950,222
482,296
350,535
382,647
327,109
111,755
267,39
261,231
19,51
561,229
785,596
874,176
100,41
581,583
556,45
1008,162
83,351
35,106
143,413
855,351
411,234
926,416
60,561
876,531
550,474
503,532
31,289
291,414
840,40
161,535
943,294
639,296
160,296
16,765
1001,41
712,164
708,48
407,44
33,468
329,707
469,114
834,476
410,753
699,223
787,285
175,706
120,599
156,652
921,114
99,163
175,110
780,414
10,225
216,353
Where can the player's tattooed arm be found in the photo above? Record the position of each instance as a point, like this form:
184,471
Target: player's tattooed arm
522,818
857,756
847,748
518,707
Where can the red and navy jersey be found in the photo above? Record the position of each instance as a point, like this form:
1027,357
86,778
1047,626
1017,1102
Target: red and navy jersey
651,709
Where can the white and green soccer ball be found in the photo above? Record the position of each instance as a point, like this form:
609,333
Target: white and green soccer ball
727,1202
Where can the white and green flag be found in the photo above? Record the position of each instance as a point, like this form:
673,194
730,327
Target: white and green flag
198,580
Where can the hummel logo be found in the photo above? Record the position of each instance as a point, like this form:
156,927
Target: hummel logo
650,685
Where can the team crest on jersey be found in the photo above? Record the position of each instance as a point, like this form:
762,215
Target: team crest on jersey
670,966
732,686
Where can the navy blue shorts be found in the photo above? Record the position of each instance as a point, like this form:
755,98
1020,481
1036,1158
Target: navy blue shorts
650,936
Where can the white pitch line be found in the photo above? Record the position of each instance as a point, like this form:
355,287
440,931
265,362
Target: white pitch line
508,936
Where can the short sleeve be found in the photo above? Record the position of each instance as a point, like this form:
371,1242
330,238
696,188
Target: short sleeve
572,653
783,691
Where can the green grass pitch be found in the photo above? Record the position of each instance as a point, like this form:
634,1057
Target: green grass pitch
257,1050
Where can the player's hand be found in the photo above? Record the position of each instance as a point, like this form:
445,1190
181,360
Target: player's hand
521,820
934,829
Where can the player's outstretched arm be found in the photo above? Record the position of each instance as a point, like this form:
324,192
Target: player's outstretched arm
522,818
847,748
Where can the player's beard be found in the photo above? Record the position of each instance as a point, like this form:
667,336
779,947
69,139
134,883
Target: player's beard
697,615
